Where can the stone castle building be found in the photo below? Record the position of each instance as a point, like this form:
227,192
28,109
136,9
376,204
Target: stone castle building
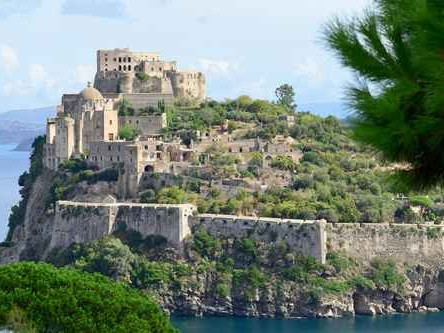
88,124
124,71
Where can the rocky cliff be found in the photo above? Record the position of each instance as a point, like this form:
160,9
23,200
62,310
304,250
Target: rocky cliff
424,292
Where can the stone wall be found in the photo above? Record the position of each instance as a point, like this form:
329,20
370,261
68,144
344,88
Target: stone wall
79,222
141,101
402,243
305,237
76,222
149,125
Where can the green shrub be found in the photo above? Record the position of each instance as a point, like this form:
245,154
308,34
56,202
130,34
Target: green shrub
148,196
172,195
223,290
248,247
314,295
74,165
362,282
421,200
283,163
205,244
339,262
67,300
331,286
385,274
142,76
128,133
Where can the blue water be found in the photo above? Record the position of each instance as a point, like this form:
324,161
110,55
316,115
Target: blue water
12,165
414,323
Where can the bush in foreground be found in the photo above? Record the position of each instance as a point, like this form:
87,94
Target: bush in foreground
67,300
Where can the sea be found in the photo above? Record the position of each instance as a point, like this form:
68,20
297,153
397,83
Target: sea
398,323
14,163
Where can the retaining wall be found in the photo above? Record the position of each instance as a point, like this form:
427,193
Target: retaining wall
402,243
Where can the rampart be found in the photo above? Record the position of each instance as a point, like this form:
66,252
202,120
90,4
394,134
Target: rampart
404,243
79,222
306,237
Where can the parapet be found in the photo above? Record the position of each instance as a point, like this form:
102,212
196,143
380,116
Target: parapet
82,222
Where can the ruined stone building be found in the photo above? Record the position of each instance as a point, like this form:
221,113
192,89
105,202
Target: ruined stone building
141,75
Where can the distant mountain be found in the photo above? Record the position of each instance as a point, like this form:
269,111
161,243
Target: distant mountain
19,126
35,116
337,109
25,145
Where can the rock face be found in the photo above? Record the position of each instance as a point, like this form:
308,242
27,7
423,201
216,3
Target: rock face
283,301
31,239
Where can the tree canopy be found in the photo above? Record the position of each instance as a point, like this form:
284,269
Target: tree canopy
39,297
285,96
396,50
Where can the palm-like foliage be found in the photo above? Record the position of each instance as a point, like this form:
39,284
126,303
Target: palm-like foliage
396,50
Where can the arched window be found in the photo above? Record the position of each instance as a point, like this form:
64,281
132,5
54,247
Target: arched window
124,67
129,67
149,168
120,67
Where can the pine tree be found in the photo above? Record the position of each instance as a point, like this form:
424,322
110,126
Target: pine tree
396,50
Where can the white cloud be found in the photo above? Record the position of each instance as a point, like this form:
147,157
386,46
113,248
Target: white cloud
255,89
217,67
15,88
8,58
11,7
39,77
38,80
84,73
97,8
310,70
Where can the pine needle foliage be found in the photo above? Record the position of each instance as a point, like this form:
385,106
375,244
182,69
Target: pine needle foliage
396,50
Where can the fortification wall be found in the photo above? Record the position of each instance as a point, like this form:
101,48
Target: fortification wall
303,237
76,222
79,222
148,125
107,82
141,101
403,243
150,85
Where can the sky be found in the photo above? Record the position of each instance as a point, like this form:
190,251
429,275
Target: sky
48,47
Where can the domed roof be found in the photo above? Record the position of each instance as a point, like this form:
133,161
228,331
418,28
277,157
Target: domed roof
90,93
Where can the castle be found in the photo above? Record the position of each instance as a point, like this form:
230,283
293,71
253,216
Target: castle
138,75
131,90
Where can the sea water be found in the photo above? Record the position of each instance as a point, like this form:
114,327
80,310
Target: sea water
12,165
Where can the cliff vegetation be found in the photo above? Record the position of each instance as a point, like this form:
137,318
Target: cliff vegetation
41,298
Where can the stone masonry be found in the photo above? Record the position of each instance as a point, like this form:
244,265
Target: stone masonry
77,222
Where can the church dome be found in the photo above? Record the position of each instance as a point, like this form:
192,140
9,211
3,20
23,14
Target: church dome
91,94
